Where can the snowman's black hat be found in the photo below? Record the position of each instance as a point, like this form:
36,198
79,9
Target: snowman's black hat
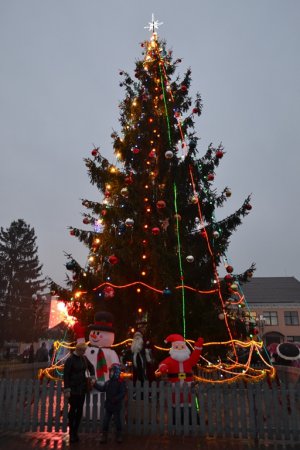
103,322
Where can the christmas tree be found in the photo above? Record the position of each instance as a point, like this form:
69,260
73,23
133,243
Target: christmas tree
154,242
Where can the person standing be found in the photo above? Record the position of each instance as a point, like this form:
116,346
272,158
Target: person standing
42,354
75,386
115,389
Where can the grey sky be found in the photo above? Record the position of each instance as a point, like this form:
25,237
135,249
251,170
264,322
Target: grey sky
59,95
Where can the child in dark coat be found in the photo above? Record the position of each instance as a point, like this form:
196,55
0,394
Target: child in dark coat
115,390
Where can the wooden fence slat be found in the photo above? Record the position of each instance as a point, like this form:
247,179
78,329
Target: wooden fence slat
243,410
163,424
50,401
21,405
43,404
202,402
35,405
58,407
277,412
153,407
13,406
295,416
170,412
286,413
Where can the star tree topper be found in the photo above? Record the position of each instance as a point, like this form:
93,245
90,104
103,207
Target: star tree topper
153,25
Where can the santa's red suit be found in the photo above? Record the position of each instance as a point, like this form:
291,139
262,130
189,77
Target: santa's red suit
181,370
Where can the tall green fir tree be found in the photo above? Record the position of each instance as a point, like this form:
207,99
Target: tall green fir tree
155,245
21,286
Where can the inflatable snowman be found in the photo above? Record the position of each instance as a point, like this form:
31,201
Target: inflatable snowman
99,351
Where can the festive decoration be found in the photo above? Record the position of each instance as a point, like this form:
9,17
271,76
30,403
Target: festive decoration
113,259
190,258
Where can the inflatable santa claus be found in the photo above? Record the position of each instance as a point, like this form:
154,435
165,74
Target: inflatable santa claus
179,365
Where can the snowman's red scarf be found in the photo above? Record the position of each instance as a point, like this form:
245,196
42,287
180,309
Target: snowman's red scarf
101,365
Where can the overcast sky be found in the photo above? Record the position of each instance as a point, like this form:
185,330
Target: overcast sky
59,95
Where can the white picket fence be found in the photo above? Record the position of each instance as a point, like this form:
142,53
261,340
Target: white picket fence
249,411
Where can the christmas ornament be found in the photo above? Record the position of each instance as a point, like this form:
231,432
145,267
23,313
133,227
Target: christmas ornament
167,292
216,234
177,217
196,111
248,206
229,269
155,231
234,286
190,258
228,278
228,193
124,192
128,180
71,265
86,220
107,194
113,259
135,150
94,152
129,222
72,232
219,154
221,316
161,204
86,203
194,199
183,88
210,177
169,154
152,154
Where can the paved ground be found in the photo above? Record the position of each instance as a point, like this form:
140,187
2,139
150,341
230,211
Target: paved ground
17,441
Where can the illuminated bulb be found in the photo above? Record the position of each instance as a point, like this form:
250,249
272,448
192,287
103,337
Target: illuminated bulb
138,290
143,273
146,226
146,186
148,210
140,310
108,186
91,258
77,294
144,257
132,330
112,169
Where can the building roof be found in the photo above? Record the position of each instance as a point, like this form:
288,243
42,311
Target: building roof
272,290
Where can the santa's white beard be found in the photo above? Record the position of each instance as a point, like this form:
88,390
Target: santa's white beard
180,355
137,345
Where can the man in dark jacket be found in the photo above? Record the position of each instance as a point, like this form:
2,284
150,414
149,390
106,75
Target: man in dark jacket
115,390
75,386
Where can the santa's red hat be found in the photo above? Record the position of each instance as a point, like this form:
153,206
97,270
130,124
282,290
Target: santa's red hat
79,331
174,338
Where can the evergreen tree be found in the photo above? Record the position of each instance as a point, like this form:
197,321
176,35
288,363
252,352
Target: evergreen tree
155,243
21,315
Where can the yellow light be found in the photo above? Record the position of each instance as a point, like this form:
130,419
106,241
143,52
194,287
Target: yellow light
146,199
91,258
148,210
144,256
140,310
77,294
112,169
97,241
138,290
118,155
143,273
146,226
146,186
134,103
108,186
132,330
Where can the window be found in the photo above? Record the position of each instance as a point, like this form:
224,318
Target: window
270,317
291,318
293,338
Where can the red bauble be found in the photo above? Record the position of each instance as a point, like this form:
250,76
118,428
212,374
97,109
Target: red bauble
210,177
86,220
128,180
228,278
94,152
107,194
229,269
152,154
103,212
196,111
219,154
155,231
113,259
248,206
183,88
72,232
135,150
109,292
161,204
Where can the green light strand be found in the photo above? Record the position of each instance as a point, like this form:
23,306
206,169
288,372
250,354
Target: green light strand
180,263
165,103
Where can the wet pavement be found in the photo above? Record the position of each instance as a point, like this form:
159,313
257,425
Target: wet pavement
18,441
